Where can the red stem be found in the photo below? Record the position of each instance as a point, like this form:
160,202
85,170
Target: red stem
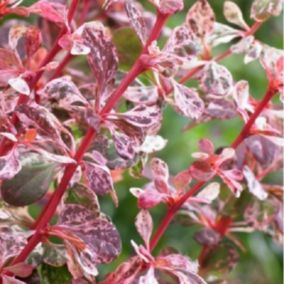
50,208
243,134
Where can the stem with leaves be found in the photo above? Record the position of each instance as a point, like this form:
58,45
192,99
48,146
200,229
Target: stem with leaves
245,132
50,209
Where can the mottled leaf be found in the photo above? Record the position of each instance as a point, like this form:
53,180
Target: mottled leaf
187,101
102,57
142,94
99,178
216,80
9,165
160,173
137,21
152,143
200,18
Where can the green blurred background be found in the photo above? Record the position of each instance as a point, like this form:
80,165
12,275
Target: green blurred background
263,260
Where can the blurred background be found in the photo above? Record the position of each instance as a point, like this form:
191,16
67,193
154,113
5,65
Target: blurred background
262,262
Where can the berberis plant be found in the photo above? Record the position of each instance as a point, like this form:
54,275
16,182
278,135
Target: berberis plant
68,134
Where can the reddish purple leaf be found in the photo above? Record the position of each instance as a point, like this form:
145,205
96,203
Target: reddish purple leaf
99,178
102,58
135,14
160,173
142,94
200,18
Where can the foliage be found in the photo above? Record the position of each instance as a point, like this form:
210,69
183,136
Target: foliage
68,136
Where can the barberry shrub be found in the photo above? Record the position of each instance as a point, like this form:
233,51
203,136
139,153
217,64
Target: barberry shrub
83,90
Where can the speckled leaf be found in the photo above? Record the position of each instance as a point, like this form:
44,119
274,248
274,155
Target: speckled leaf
187,101
200,18
99,178
64,91
12,240
153,143
143,116
137,21
102,58
144,226
148,277
216,80
9,165
142,94
126,146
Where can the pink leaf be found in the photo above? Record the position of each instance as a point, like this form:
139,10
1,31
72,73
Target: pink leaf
200,18
148,277
102,58
144,226
9,165
20,269
187,101
99,178
216,80
137,21
143,116
262,10
142,94
160,173
52,11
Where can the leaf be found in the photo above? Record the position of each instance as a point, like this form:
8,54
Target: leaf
233,14
168,7
30,184
52,11
51,274
12,240
160,173
137,21
153,143
9,165
148,198
99,178
183,42
221,34
148,277
10,66
144,226
102,57
20,269
64,91
126,146
143,116
187,101
142,94
128,47
254,185
101,239
20,85
210,192
216,80
11,280
201,171
200,18
207,237
261,10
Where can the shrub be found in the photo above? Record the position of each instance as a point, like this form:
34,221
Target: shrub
68,135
